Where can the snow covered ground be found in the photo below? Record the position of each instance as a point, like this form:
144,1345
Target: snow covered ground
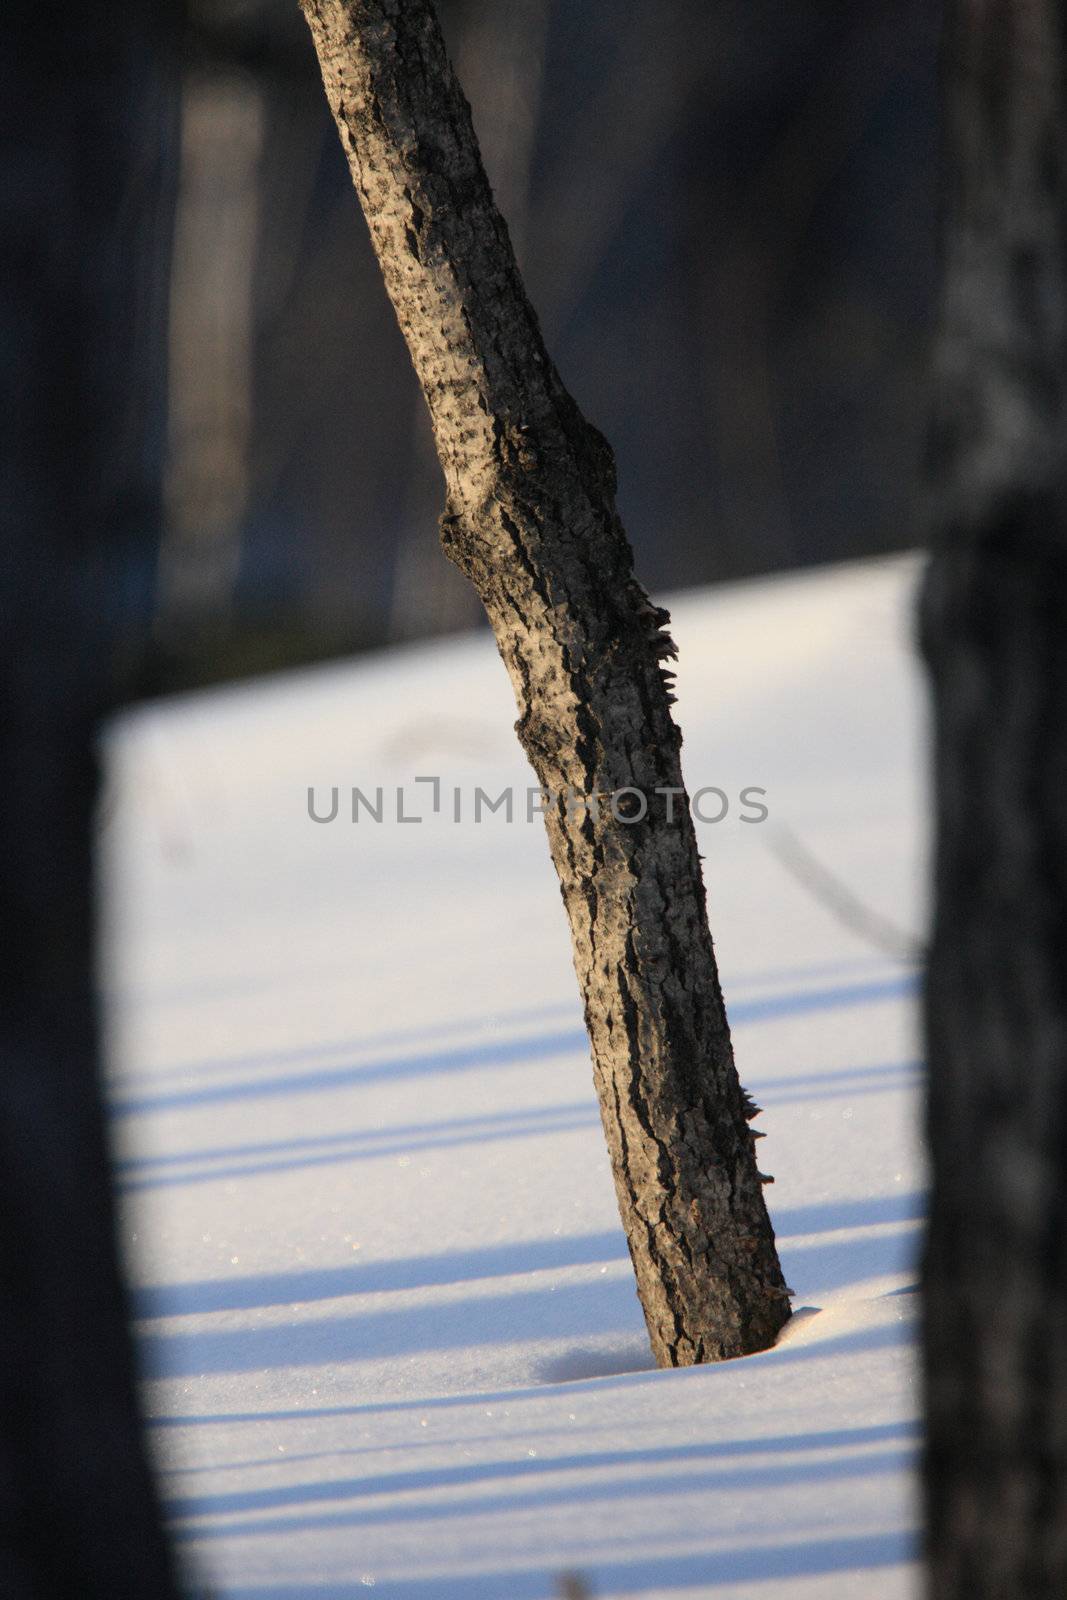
386,1307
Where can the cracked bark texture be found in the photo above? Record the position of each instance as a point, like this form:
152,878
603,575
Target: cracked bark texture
530,518
994,626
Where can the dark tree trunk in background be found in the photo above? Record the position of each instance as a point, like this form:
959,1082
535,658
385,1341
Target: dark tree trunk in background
994,625
82,107
530,518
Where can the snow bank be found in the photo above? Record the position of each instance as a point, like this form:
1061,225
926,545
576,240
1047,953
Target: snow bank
386,1308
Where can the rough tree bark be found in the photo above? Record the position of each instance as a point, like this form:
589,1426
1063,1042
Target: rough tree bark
530,518
994,625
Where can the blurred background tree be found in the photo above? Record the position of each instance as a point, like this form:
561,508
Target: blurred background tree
86,190
725,217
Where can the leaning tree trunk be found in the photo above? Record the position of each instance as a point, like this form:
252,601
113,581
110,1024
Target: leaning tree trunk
530,518
994,621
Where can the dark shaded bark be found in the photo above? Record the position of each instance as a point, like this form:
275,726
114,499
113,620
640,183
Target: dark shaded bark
994,628
79,191
530,518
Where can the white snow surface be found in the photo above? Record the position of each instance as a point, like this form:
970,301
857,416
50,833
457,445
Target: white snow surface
388,1321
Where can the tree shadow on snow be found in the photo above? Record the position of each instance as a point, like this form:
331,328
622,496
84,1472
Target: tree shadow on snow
702,1570
372,1277
527,1311
544,1481
494,1052
251,1160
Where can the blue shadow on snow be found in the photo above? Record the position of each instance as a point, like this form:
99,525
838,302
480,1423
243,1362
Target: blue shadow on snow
498,1052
